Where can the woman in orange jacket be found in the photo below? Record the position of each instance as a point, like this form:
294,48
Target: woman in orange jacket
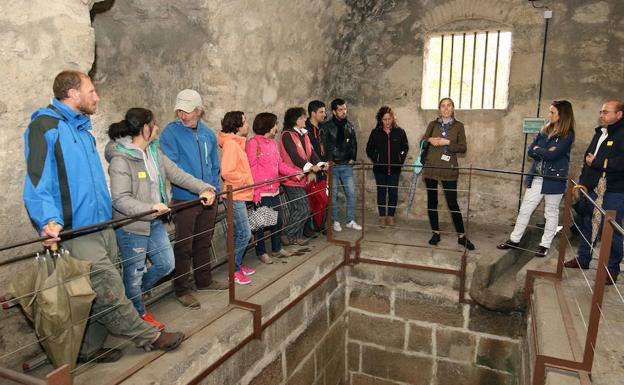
235,171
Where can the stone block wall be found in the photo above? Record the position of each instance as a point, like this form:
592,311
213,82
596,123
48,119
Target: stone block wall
404,335
306,346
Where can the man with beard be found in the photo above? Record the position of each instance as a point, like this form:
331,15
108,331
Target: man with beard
341,148
65,188
192,146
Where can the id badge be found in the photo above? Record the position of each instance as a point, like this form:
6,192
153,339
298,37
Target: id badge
446,158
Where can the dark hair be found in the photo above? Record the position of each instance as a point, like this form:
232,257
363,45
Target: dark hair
337,102
291,116
232,121
383,111
565,124
132,125
315,105
264,122
65,81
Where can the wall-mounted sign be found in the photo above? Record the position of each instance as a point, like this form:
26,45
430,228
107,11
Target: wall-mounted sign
532,125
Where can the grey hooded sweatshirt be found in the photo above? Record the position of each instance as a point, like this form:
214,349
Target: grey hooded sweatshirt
137,181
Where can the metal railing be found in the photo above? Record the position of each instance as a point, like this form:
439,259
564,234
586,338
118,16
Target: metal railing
542,362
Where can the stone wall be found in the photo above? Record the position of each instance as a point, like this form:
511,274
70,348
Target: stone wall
399,333
382,63
306,346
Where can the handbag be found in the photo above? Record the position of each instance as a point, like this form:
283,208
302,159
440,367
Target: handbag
262,216
422,155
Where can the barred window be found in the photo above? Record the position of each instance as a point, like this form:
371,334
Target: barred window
472,68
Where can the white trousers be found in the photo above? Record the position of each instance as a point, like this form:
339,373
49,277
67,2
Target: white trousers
532,198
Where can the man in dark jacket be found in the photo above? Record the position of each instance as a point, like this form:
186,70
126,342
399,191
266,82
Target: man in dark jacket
604,158
318,204
65,188
341,148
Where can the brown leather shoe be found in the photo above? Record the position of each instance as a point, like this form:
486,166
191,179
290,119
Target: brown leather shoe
189,301
611,279
574,264
168,341
390,221
214,286
264,258
102,356
382,221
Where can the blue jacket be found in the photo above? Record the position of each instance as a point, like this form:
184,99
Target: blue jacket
553,154
194,151
65,181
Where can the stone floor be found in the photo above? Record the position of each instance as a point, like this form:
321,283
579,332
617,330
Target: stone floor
406,242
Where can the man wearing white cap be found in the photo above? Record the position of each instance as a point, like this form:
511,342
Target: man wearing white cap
191,145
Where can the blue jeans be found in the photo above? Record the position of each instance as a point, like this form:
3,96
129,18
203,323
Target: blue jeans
242,233
342,174
611,201
276,231
133,249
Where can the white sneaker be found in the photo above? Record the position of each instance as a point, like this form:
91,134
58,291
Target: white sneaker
354,226
337,227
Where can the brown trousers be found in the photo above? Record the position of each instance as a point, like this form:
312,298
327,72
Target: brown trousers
194,228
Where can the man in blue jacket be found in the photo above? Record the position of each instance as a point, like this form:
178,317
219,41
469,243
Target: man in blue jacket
65,188
192,146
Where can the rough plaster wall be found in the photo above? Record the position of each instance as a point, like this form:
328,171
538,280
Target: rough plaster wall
37,40
249,55
382,63
240,55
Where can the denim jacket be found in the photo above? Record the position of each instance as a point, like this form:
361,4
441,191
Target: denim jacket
552,157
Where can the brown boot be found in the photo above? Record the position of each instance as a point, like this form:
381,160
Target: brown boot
189,301
168,341
390,221
382,220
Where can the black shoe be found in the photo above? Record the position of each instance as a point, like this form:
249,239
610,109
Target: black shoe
309,233
102,356
465,242
508,244
435,239
541,251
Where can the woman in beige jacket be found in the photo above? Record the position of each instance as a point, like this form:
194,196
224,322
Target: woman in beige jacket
446,138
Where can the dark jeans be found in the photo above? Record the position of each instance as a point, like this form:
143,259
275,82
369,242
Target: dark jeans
194,228
450,193
276,231
387,187
611,201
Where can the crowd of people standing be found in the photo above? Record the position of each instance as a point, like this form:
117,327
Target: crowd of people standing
60,151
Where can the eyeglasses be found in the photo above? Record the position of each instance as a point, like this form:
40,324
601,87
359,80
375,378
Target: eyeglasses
604,112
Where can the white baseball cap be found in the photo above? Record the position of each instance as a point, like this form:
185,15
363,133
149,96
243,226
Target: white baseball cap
188,100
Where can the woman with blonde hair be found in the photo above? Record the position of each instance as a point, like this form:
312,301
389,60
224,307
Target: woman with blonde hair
550,151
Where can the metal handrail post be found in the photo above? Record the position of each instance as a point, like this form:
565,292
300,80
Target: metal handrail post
230,241
606,238
565,232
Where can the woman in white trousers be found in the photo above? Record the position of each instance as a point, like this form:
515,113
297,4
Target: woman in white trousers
550,151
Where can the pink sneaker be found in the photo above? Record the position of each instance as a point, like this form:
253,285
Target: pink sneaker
247,270
240,278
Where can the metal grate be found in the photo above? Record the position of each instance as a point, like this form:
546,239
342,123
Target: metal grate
470,67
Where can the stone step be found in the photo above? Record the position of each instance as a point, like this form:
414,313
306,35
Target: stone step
552,338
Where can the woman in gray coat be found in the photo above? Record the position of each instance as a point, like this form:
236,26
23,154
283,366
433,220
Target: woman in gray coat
138,170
